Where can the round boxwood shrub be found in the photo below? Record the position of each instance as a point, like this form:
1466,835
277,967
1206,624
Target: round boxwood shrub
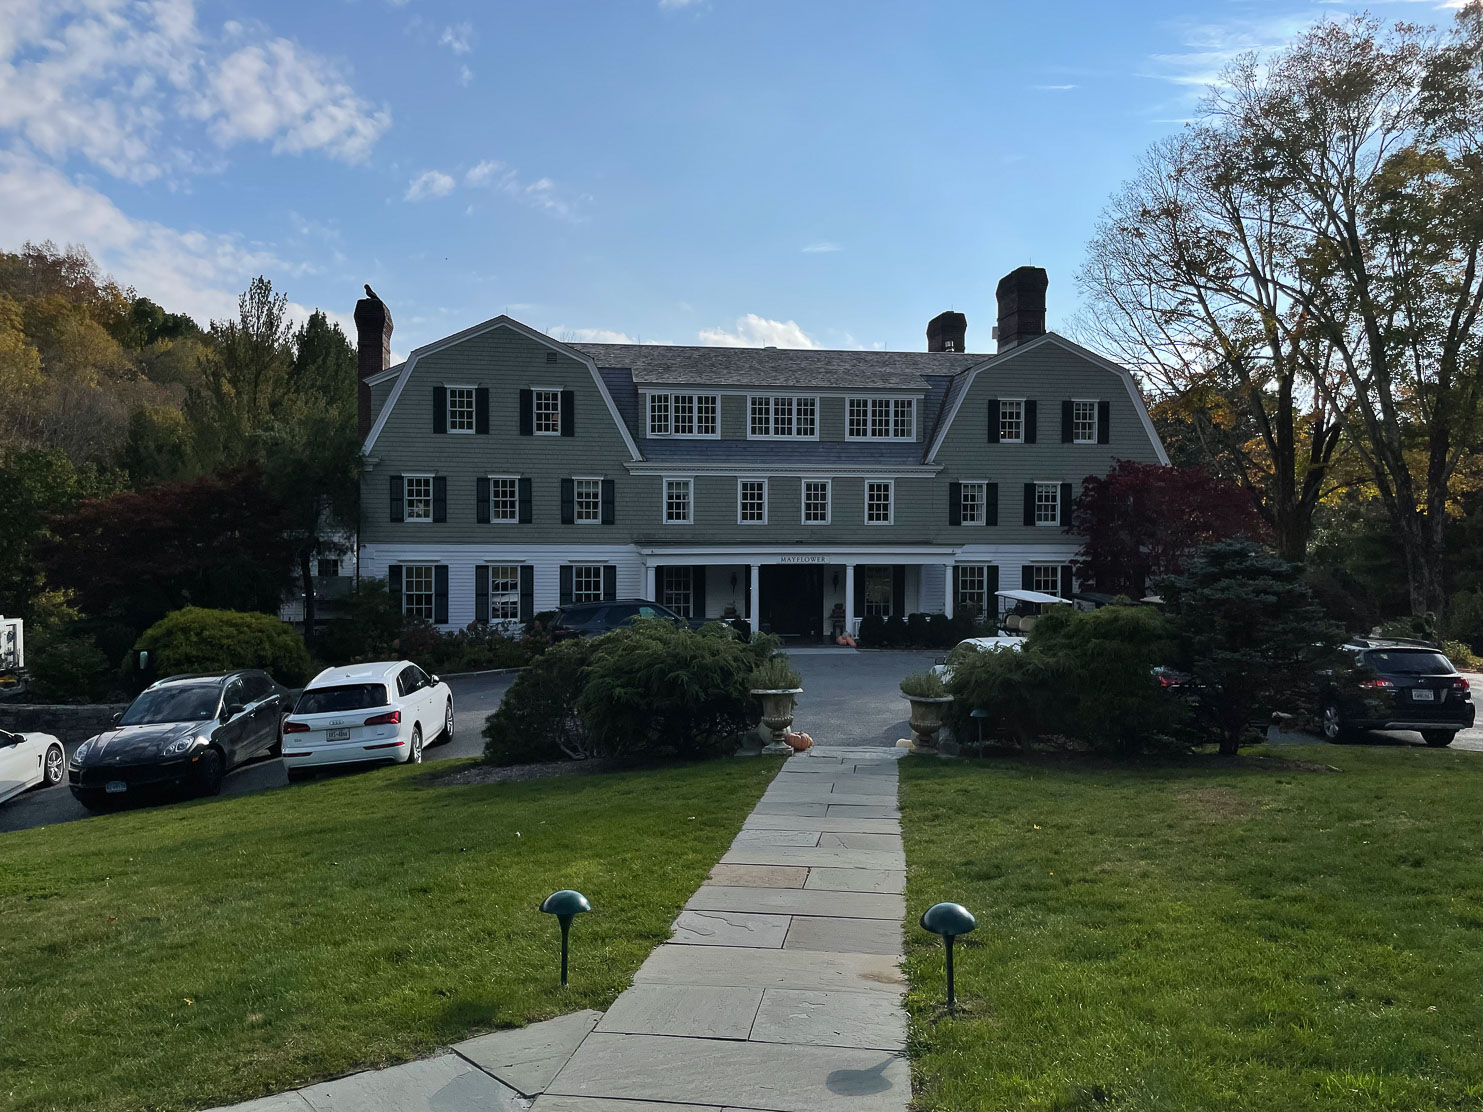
199,640
537,719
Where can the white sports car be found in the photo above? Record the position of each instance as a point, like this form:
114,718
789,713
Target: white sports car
27,760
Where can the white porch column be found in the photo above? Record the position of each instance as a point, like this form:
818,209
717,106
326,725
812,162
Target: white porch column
755,617
947,590
649,583
849,599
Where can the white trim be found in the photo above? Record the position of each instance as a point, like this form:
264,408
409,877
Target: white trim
1035,504
805,391
1095,403
689,481
598,479
645,402
916,415
502,520
1021,438
781,470
429,476
501,321
771,397
983,504
558,391
828,501
384,376
766,495
890,490
448,408
1134,395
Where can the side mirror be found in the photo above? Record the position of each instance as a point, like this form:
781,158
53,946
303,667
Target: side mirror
116,717
940,660
433,681
231,710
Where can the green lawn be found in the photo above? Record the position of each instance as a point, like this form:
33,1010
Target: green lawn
1200,937
203,953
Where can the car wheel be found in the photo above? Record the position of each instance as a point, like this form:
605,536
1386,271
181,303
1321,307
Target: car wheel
53,767
448,723
211,772
276,749
1334,728
297,774
415,755
1438,739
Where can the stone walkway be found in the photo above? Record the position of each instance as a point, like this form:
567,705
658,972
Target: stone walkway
780,990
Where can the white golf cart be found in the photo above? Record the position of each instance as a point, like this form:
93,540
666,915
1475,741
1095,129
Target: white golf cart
1019,610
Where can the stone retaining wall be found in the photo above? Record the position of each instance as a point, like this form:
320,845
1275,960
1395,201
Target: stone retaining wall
69,723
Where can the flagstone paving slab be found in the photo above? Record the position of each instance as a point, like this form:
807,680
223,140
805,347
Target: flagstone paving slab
792,807
798,901
760,876
278,1102
841,880
844,936
877,843
830,1019
837,799
820,823
862,811
777,838
744,968
698,1011
806,855
731,928
773,1076
527,1058
443,1084
600,1104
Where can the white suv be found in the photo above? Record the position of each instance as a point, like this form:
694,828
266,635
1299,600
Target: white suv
383,711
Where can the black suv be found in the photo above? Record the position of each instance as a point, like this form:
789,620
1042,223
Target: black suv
1396,685
589,619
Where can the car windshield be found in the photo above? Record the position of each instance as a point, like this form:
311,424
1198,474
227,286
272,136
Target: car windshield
350,696
1410,663
195,703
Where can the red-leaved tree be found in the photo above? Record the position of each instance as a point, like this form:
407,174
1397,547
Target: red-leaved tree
1140,521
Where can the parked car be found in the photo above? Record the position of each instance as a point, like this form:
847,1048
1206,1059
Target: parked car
366,713
1002,642
1396,685
184,732
27,760
589,619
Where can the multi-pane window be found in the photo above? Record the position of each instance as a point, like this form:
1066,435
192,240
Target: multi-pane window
786,416
973,588
752,501
877,590
682,414
586,582
816,501
547,405
417,591
587,500
881,419
504,592
677,501
504,499
1046,577
677,590
460,409
1047,503
974,503
329,567
418,491
878,502
1011,422
1084,422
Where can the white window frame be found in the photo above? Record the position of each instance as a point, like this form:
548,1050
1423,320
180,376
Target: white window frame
504,596
577,517
890,403
654,401
407,498
671,398
740,504
795,402
1092,402
664,485
828,485
960,597
578,592
1054,570
535,410
1012,439
983,502
473,394
1055,489
514,517
431,592
668,595
890,485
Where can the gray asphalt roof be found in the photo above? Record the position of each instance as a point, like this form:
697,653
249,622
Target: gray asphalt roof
793,368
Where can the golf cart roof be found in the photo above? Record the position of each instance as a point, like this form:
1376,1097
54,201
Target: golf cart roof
1032,596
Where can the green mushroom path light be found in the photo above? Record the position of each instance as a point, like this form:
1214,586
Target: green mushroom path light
566,905
948,920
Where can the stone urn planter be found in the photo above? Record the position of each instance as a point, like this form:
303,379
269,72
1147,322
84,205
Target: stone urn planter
926,719
777,715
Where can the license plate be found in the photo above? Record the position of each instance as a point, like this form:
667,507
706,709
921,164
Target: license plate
338,735
113,787
1423,695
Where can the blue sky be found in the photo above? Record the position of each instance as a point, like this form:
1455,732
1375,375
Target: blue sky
710,171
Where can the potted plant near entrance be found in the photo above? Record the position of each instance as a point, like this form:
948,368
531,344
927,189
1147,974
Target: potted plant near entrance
929,699
777,685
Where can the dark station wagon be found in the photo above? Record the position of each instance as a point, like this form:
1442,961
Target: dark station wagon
1396,685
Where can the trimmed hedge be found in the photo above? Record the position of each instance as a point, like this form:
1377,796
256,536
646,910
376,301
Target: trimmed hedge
199,640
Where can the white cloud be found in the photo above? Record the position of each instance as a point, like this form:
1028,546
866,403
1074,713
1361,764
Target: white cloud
543,193
458,37
821,248
465,76
754,331
1055,88
429,183
591,336
676,5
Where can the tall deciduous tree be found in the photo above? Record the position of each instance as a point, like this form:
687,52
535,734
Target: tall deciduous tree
246,376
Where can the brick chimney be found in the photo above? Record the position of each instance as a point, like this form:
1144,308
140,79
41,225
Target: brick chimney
1021,295
947,332
372,350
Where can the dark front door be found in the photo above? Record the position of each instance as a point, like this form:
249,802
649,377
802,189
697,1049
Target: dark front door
792,602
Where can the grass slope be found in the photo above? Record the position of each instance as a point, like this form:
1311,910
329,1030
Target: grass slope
1200,937
204,953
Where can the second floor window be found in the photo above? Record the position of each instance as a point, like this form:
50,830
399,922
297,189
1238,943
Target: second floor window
752,502
1084,422
683,414
783,415
881,419
460,409
974,501
878,503
816,501
417,591
1011,422
1047,504
419,494
504,499
677,501
547,403
587,500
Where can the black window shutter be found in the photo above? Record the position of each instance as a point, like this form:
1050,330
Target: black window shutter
991,584
522,489
568,501
568,413
394,585
396,498
697,591
1104,422
1067,587
440,409
609,511
609,582
1032,422
527,592
481,410
440,497
481,500
527,413
993,420
955,503
481,593
1029,503
898,590
1068,432
1027,578
440,595
991,504
859,592
564,574
1065,506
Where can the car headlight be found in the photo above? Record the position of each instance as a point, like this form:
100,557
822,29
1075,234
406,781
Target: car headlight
178,746
82,750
